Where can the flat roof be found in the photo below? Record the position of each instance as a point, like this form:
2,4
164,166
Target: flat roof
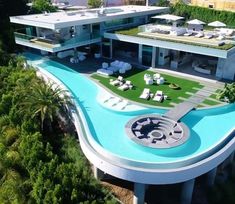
63,19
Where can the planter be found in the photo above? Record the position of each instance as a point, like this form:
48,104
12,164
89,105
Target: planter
174,86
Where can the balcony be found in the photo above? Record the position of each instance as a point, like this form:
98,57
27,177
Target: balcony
55,43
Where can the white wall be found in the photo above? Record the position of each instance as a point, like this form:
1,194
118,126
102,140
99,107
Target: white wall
229,68
73,2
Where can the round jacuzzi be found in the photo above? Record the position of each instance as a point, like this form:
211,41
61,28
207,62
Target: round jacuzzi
157,131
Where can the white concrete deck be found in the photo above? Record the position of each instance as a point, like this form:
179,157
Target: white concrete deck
58,20
115,103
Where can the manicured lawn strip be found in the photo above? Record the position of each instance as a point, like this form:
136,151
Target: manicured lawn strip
135,31
214,95
136,76
210,102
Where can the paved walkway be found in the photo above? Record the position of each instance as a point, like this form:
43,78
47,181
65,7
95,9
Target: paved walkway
183,108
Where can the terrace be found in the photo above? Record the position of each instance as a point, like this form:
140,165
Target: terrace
55,42
145,32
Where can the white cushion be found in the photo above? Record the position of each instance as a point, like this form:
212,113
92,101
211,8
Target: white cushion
105,72
105,65
122,71
82,58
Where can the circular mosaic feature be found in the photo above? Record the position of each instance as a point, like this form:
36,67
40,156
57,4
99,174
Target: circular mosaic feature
157,131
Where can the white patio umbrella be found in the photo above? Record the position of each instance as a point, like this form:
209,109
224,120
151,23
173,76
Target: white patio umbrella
196,22
168,17
217,24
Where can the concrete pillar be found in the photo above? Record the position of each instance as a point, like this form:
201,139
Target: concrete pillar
154,52
139,193
231,158
187,191
220,68
37,31
140,53
211,177
111,49
98,174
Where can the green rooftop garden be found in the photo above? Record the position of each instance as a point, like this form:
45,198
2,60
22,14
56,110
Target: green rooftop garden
136,76
134,32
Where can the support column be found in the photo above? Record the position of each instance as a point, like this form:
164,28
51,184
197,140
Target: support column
211,177
187,191
98,174
111,49
101,34
139,193
154,52
140,53
231,158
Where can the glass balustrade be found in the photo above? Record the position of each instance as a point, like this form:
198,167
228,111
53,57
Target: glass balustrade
55,41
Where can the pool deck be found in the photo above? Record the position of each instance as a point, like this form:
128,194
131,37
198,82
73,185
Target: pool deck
183,108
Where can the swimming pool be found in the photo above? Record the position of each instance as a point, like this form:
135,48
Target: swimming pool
208,127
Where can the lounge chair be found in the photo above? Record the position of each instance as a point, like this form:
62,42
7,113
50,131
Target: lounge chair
145,94
189,33
104,72
117,82
199,35
126,86
220,37
158,96
209,36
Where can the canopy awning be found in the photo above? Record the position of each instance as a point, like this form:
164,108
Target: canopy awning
196,22
217,24
168,17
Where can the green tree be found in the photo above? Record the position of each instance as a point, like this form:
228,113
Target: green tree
228,93
163,3
40,6
47,102
95,3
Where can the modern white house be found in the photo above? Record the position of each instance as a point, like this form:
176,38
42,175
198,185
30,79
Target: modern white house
151,45
55,32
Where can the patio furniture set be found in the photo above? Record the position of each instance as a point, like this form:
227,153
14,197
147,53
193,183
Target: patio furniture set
149,80
158,96
114,67
195,28
79,58
121,83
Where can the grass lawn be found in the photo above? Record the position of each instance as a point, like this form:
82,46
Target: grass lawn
136,76
134,32
211,102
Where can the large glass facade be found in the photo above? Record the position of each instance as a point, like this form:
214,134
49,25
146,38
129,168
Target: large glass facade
147,55
118,22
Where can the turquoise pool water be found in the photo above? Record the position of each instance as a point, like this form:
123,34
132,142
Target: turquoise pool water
207,127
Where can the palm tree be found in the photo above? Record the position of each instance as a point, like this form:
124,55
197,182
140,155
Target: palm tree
228,93
47,102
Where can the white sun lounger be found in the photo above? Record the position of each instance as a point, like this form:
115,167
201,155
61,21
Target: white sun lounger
199,35
125,86
145,94
117,81
158,96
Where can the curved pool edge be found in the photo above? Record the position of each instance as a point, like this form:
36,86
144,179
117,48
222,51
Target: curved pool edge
125,170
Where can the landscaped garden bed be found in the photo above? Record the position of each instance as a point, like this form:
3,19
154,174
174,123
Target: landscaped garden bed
136,76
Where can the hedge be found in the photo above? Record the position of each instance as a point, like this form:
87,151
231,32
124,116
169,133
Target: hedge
204,14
